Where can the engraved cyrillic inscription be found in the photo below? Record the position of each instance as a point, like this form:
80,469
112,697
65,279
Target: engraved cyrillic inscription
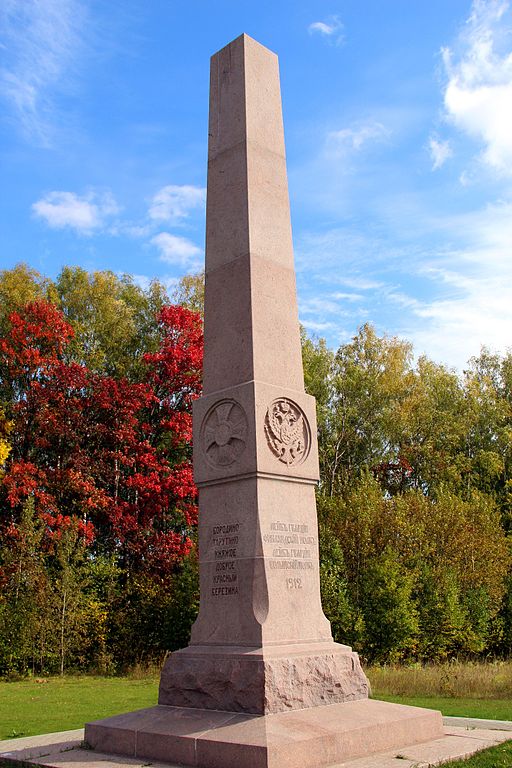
224,541
288,547
224,433
287,431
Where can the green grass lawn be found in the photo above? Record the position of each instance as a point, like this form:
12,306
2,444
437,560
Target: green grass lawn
496,757
489,709
28,708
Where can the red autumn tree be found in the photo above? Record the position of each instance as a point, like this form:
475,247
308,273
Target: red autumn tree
112,454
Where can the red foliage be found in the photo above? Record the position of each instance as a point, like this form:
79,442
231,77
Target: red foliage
111,454
37,337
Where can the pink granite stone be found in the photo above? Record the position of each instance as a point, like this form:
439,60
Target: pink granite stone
261,681
261,642
314,737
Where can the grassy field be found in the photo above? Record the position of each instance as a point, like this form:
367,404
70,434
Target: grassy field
464,690
489,709
496,757
492,680
28,707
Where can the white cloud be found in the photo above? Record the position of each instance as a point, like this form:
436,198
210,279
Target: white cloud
353,139
440,152
453,329
83,214
332,28
318,327
42,40
360,283
471,304
144,281
321,305
342,296
478,94
445,285
177,250
174,203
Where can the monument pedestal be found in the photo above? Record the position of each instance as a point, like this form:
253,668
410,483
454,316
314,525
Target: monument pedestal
314,738
262,680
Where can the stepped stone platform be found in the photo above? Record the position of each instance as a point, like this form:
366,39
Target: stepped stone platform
213,739
65,750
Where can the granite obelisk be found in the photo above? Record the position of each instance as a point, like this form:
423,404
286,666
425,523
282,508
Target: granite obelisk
262,684
261,642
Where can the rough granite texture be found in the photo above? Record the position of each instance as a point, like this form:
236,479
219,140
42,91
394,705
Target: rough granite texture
262,685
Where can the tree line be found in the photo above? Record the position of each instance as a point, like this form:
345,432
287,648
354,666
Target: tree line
98,510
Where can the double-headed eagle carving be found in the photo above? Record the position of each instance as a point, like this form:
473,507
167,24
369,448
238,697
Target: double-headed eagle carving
286,431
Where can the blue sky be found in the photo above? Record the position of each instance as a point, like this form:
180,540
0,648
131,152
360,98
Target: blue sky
398,120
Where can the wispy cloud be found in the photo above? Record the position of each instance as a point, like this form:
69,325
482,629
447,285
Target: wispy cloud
60,210
466,297
446,287
478,93
353,139
317,327
179,251
144,281
41,41
332,29
440,152
174,203
342,296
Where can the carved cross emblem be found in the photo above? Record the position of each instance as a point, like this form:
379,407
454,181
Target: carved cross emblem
224,433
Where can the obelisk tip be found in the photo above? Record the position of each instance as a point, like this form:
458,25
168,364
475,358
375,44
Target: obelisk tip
245,40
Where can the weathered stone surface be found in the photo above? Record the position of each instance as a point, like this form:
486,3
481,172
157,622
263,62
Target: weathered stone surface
261,682
299,682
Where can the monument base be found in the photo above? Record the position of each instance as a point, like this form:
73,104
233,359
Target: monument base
262,680
313,738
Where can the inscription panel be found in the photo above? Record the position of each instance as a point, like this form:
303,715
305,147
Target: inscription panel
225,539
290,547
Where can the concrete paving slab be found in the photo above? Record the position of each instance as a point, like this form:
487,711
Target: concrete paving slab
28,747
475,722
479,733
63,750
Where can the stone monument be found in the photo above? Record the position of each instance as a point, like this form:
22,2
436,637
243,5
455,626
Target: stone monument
261,642
262,679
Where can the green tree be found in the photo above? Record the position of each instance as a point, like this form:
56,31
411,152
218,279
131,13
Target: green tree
24,588
19,286
189,292
370,379
75,619
113,318
334,589
390,615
